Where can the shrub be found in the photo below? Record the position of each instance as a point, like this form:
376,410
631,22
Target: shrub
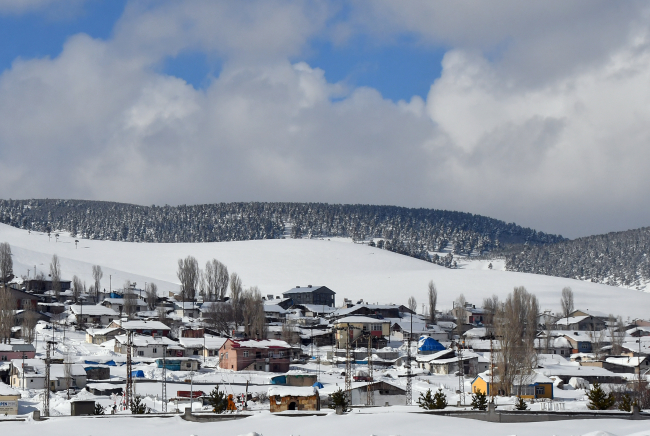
625,403
520,404
598,399
138,407
339,398
99,410
479,400
218,400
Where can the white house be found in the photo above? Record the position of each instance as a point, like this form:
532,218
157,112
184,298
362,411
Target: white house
33,374
94,314
148,346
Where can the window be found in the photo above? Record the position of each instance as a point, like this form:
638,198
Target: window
375,327
188,365
140,353
4,358
245,353
155,350
281,353
539,390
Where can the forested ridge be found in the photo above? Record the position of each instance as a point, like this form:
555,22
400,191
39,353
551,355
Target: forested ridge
617,258
414,232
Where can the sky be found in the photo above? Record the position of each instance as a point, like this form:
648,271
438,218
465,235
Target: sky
531,112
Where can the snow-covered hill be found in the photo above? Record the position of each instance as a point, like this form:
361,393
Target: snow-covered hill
352,270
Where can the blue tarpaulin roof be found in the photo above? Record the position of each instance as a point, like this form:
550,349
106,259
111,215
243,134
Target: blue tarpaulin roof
138,373
318,385
429,344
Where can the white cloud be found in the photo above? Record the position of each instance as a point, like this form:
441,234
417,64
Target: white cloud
564,154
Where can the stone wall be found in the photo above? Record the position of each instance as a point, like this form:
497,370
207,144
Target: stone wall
301,403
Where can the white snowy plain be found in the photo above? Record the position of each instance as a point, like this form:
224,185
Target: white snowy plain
353,271
383,422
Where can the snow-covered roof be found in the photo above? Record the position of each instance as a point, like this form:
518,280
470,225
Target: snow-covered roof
141,325
477,332
211,342
304,289
318,308
293,391
361,320
93,310
348,310
264,343
6,390
120,301
102,332
274,308
148,341
625,361
36,367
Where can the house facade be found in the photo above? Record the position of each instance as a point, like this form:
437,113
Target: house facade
258,355
318,295
354,329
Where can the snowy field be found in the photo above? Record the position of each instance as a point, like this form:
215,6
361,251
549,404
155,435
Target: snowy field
382,422
353,271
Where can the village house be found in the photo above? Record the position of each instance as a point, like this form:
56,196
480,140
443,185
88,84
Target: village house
448,362
318,295
384,393
536,386
8,400
141,327
179,363
187,308
33,375
93,314
12,351
148,346
99,336
283,398
206,346
258,355
356,328
117,304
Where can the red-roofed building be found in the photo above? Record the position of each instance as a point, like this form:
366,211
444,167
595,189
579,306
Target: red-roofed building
268,355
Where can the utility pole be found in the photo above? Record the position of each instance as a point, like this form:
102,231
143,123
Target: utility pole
129,368
461,372
409,375
164,380
370,401
46,394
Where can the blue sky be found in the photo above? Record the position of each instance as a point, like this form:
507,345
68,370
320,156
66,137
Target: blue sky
399,69
534,113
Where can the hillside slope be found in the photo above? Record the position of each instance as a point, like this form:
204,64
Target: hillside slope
352,270
414,232
617,258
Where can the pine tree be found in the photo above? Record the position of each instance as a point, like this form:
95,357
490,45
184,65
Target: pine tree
598,400
479,400
426,400
218,400
339,398
440,399
138,407
99,410
625,403
520,404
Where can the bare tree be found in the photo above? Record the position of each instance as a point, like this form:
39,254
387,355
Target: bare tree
459,309
67,373
235,298
77,287
218,315
29,321
222,280
129,300
151,293
516,323
617,334
433,301
253,313
188,274
209,279
412,304
288,334
490,307
162,315
567,304
97,277
6,263
55,274
597,338
7,307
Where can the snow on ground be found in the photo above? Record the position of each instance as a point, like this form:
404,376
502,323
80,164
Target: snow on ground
379,422
353,271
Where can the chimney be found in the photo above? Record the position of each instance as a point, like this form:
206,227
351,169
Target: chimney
298,286
309,286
